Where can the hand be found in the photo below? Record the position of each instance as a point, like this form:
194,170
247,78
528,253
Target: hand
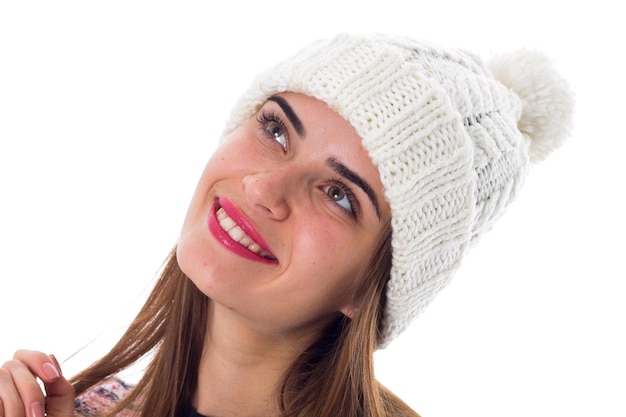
21,395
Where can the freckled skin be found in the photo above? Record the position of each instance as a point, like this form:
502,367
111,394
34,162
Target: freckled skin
322,250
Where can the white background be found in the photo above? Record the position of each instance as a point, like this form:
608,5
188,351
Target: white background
109,110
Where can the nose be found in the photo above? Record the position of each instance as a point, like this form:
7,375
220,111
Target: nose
268,191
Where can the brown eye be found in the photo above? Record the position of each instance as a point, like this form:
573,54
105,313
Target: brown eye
335,193
276,131
339,196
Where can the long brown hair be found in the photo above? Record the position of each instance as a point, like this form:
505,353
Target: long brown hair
333,377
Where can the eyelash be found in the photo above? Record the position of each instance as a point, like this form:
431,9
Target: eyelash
265,118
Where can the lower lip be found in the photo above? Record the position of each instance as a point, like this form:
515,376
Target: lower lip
228,242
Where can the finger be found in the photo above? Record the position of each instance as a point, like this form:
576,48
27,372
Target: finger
60,395
20,392
10,401
39,363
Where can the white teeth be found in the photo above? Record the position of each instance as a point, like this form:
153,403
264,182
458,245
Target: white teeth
238,235
227,223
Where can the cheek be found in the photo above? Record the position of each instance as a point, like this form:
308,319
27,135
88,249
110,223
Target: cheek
233,153
328,269
225,162
226,157
331,249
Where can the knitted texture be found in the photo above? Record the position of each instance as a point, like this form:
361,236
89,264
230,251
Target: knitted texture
444,135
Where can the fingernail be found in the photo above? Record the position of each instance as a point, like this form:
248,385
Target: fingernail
56,363
50,371
37,409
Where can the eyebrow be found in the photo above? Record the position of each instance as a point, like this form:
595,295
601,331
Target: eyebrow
352,176
291,115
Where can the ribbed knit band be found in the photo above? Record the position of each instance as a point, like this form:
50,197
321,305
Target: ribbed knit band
443,134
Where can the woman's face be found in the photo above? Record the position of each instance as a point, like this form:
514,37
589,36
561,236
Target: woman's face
285,217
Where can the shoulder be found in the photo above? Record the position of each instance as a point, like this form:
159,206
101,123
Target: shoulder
102,398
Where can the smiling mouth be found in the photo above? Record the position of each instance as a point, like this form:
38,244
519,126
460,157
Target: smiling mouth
238,235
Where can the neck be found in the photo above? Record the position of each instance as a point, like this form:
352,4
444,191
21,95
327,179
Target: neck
242,368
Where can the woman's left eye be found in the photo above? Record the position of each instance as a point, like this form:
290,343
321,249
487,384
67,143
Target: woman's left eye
339,196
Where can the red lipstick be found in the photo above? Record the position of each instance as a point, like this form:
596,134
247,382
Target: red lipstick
264,255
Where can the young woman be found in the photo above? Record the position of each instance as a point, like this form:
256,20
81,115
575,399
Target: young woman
349,182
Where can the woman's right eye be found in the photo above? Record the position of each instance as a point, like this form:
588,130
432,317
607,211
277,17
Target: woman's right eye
277,132
274,128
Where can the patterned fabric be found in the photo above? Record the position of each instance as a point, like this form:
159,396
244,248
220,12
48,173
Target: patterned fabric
102,398
451,138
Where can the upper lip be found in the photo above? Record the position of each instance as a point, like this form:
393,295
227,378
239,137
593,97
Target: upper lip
246,225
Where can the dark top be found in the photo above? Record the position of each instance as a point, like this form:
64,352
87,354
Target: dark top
191,412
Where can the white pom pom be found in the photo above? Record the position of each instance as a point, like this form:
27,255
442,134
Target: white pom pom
548,102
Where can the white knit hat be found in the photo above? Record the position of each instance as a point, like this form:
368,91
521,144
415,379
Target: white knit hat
451,142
